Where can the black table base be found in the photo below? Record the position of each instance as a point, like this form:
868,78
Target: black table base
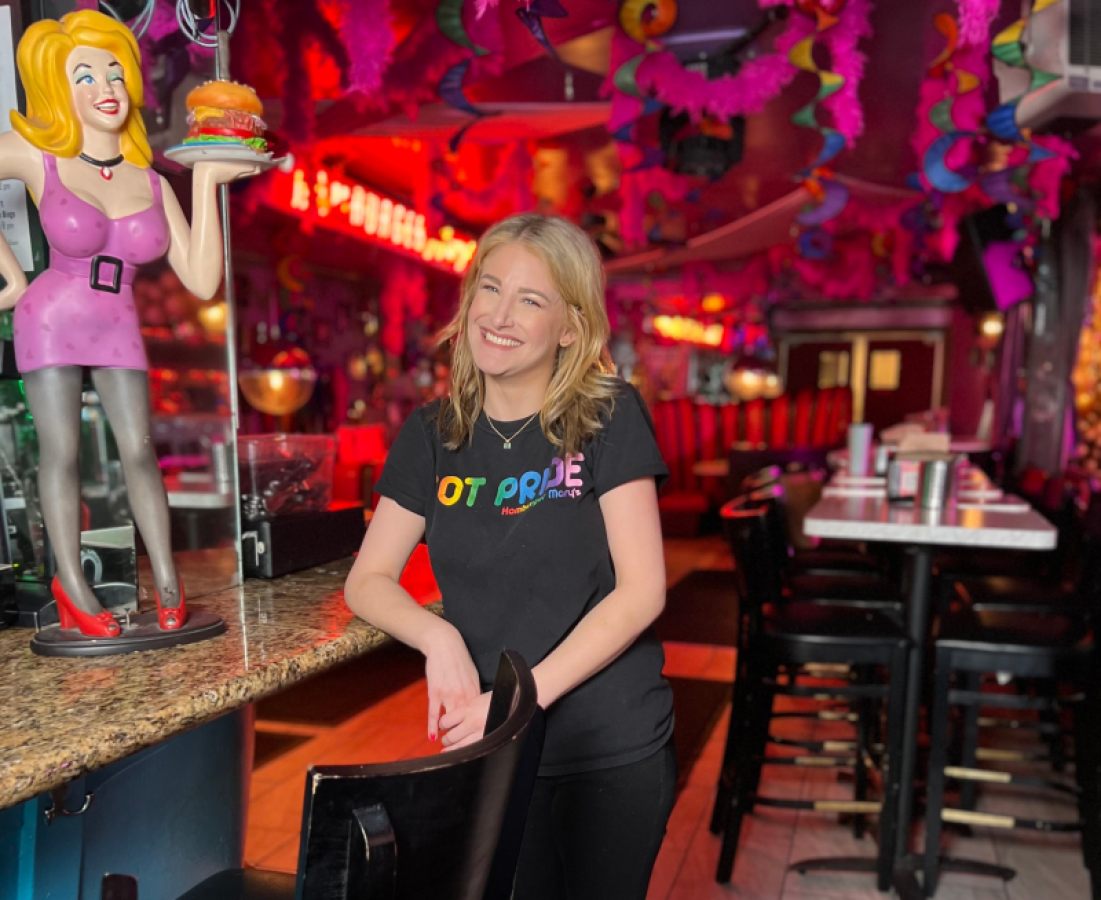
905,881
919,575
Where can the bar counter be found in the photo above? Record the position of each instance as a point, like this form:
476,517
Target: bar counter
64,717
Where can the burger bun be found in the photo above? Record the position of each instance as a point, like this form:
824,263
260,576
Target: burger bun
225,95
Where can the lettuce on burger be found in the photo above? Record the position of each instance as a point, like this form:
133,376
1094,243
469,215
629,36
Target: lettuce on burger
225,112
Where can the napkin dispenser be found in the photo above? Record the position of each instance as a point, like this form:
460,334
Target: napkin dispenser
904,472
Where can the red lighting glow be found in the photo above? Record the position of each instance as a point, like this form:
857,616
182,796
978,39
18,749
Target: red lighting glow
353,209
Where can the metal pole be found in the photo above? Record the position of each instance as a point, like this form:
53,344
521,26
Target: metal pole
221,72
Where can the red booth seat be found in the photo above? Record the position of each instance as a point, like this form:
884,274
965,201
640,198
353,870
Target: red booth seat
689,431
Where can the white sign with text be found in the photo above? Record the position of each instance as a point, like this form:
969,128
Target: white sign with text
13,196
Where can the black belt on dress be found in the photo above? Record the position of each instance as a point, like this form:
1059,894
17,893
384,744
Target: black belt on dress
105,273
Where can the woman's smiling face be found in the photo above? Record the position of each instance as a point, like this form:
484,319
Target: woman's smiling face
517,319
100,99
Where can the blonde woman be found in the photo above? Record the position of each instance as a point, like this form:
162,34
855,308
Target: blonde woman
533,484
82,152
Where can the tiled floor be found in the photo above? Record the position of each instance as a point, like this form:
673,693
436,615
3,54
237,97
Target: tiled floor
1048,866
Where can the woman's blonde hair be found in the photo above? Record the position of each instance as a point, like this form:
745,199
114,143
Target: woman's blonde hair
51,123
582,385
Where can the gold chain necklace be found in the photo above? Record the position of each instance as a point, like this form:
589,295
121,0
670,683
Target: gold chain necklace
508,439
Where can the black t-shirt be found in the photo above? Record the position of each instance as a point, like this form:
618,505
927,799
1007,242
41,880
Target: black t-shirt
518,546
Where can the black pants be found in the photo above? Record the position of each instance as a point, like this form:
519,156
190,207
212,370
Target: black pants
597,834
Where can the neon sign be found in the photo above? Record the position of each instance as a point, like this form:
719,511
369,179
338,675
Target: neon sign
361,212
692,331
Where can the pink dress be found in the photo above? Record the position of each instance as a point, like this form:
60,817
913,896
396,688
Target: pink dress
80,311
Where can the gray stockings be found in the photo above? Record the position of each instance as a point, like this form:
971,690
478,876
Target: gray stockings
54,398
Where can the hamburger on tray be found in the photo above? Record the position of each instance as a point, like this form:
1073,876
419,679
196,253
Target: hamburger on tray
225,112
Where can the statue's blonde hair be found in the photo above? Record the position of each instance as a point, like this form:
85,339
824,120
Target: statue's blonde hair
51,123
582,386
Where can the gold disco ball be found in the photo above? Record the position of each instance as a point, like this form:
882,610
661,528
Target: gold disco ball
212,316
282,387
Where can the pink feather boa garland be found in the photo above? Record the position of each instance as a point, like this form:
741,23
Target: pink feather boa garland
975,19
367,34
635,187
481,7
847,60
661,75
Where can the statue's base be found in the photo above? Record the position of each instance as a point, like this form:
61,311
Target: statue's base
33,606
140,632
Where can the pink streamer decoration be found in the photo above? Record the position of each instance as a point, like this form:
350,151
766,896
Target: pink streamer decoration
848,275
634,188
968,110
164,23
944,242
487,32
1045,178
481,7
758,81
748,91
661,75
848,61
968,115
975,19
625,108
367,34
418,65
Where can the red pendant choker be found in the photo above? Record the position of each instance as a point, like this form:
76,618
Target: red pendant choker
105,165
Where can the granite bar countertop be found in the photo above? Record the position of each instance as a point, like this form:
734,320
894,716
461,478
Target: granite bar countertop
63,717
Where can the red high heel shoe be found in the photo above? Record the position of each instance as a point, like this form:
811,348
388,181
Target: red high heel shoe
99,625
171,618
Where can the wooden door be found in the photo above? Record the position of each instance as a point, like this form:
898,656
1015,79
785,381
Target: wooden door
891,374
814,364
901,377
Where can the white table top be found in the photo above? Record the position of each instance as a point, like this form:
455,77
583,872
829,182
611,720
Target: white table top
839,458
872,518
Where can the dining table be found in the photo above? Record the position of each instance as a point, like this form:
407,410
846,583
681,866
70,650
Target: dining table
977,515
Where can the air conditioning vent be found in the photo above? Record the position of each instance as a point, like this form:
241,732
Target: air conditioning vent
1084,34
1064,39
1078,43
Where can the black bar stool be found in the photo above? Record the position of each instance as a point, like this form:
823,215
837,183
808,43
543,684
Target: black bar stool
837,582
998,600
1026,647
1003,575
1052,656
778,589
826,557
775,637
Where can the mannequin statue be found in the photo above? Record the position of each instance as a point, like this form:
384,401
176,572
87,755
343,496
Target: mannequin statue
81,150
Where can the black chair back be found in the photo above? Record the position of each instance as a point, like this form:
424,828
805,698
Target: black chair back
1089,578
762,478
746,460
751,535
446,826
771,500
